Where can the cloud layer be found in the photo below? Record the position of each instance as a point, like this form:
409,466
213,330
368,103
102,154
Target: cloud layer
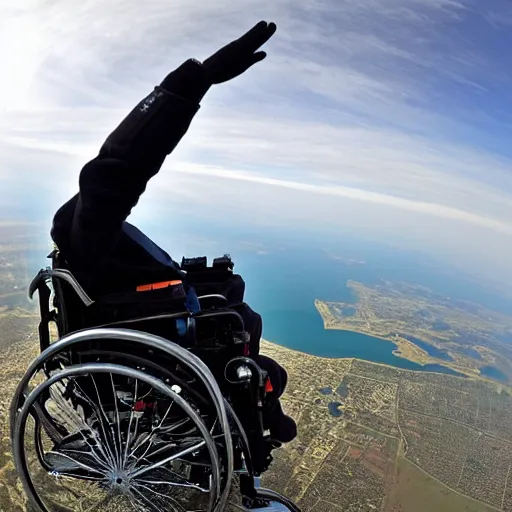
395,113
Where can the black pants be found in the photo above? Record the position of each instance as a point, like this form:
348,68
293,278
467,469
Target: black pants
234,290
277,374
274,418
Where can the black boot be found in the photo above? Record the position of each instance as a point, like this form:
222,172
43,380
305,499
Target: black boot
282,427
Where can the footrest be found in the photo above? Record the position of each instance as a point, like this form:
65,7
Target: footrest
265,500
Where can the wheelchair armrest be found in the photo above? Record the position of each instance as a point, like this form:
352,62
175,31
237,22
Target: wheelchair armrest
223,313
212,300
65,275
34,285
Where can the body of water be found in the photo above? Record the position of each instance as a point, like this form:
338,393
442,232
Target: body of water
430,349
334,409
493,373
282,288
471,352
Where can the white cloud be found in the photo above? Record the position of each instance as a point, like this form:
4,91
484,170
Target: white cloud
365,106
358,194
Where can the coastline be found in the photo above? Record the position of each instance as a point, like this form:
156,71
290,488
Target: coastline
404,348
272,348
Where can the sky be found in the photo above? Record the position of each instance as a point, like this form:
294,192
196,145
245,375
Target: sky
387,118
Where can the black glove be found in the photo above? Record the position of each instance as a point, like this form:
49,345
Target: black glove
235,58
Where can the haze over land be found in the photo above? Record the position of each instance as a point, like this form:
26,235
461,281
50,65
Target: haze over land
427,327
371,437
386,119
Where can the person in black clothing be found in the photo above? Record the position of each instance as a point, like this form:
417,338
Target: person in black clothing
107,254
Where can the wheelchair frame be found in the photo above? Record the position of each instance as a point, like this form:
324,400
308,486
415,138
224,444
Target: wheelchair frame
238,417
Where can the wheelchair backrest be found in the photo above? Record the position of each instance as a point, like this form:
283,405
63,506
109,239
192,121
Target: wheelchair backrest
148,308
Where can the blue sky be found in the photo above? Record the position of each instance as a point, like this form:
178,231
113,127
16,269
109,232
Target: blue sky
389,118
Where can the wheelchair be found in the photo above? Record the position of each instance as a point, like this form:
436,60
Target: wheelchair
138,402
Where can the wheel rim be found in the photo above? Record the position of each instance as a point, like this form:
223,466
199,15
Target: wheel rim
146,340
119,466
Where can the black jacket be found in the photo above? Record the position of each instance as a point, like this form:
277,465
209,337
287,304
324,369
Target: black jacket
90,230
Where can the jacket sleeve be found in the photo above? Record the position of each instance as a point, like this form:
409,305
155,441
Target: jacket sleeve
111,184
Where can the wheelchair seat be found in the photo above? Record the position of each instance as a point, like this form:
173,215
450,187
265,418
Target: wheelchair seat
143,401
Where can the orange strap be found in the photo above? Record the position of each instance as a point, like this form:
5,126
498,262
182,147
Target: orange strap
268,386
157,286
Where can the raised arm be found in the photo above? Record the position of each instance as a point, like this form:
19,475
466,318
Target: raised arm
111,184
87,226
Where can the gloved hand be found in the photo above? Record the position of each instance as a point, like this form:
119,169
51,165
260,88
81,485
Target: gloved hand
235,58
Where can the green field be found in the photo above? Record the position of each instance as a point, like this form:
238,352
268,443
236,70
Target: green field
416,491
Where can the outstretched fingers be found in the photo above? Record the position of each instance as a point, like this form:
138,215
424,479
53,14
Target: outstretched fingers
271,30
258,35
258,56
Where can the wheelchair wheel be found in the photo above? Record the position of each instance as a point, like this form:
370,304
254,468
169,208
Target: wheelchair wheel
104,436
116,457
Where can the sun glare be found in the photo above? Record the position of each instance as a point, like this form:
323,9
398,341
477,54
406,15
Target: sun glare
21,42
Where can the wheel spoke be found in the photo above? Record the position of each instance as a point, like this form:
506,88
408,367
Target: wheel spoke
107,452
148,501
160,495
82,477
168,459
162,458
96,458
80,426
128,434
118,422
77,462
174,484
104,415
150,436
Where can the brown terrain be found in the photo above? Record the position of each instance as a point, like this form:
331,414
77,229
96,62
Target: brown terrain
371,437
